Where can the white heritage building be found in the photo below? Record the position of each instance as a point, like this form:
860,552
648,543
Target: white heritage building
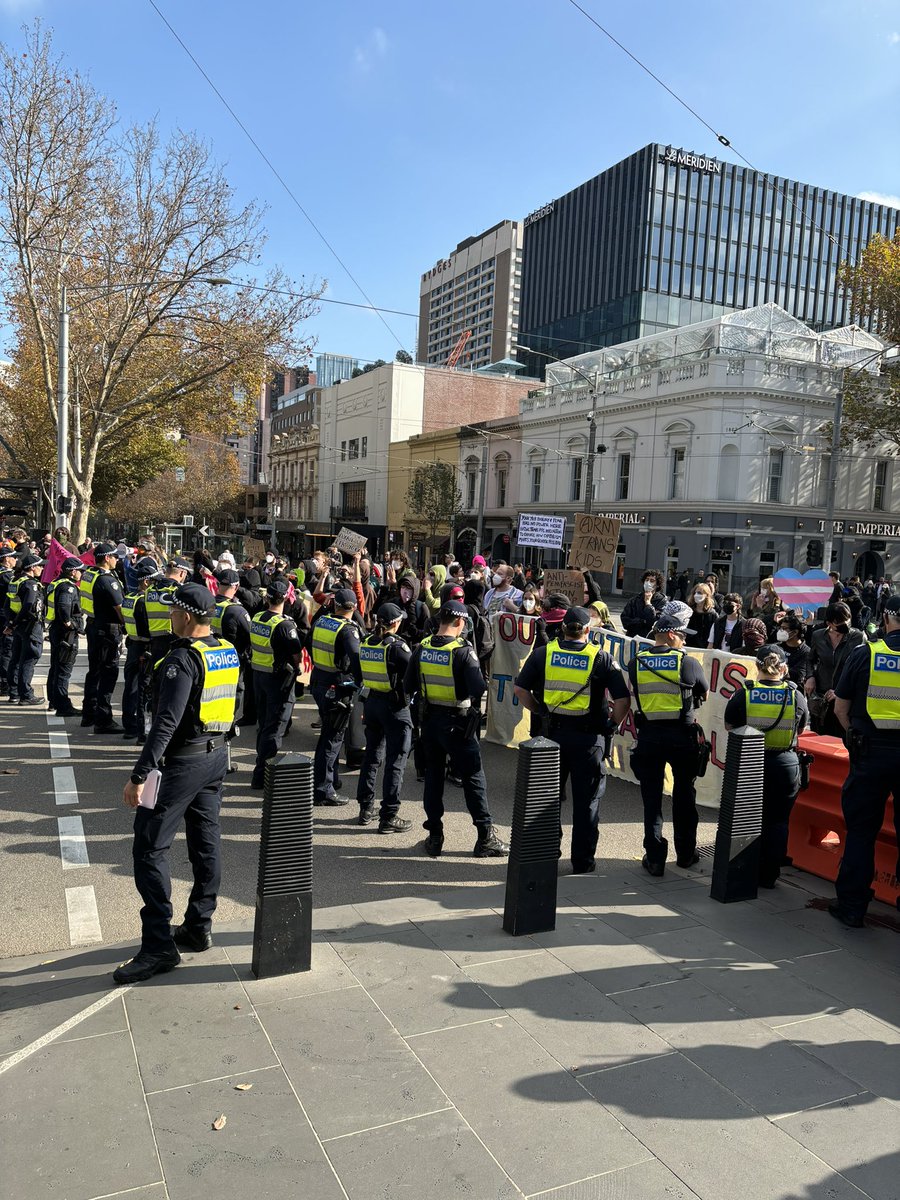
713,445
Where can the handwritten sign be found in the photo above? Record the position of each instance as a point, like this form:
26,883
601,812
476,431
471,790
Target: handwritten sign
254,548
567,583
594,544
538,529
349,542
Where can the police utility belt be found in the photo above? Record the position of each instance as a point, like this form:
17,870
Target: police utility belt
195,749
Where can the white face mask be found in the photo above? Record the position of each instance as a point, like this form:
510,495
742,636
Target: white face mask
782,635
648,586
496,580
699,597
528,604
396,564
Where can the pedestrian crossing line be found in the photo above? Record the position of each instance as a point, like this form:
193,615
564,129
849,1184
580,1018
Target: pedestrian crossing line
59,743
84,919
53,719
72,844
64,786
51,1036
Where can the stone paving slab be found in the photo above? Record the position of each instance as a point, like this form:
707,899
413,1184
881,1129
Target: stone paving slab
859,1046
849,1136
648,1180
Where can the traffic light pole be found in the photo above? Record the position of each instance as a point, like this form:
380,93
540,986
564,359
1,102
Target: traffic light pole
62,409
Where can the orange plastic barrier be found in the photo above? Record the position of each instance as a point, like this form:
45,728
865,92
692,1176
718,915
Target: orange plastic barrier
817,830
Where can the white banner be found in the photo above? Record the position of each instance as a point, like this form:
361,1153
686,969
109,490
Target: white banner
540,530
509,723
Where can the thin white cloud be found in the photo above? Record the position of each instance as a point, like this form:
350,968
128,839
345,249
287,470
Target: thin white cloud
375,47
894,38
880,198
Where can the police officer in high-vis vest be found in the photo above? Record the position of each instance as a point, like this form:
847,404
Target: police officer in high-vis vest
773,705
7,566
137,674
274,657
445,672
64,624
867,704
101,603
157,608
381,670
232,622
567,681
667,685
197,684
26,606
334,648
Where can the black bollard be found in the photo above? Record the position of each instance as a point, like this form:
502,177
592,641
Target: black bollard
282,931
534,846
735,872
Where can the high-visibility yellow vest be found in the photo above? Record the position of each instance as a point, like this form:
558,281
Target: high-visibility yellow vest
157,612
13,599
51,597
324,636
764,708
262,656
658,683
566,675
128,606
436,673
373,663
89,577
221,668
883,696
221,605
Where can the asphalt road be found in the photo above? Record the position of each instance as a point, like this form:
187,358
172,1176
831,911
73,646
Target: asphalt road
47,905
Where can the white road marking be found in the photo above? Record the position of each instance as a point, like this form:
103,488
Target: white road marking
59,743
64,785
84,920
47,1038
72,846
53,719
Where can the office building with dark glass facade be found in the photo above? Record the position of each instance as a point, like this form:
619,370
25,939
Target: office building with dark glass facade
668,237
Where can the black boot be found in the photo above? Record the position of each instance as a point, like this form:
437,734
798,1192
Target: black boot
489,845
144,966
366,814
433,844
394,825
197,940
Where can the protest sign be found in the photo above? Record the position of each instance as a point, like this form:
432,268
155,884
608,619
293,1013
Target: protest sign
537,529
567,583
508,722
254,548
807,592
595,542
349,542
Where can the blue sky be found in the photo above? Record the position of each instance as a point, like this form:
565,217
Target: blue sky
405,126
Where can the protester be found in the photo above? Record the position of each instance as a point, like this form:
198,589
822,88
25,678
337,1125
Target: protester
790,637
829,650
641,611
766,604
703,616
727,632
502,595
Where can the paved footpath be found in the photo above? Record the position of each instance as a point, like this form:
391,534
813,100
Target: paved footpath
656,1046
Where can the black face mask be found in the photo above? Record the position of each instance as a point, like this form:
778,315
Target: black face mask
841,626
729,608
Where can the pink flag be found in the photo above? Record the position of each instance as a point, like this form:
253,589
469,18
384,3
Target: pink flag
291,594
88,558
56,556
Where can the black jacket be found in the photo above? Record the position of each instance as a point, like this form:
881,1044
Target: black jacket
639,616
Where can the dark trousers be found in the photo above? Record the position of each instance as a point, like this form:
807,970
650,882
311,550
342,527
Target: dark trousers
441,740
5,651
62,642
27,648
133,685
873,777
653,753
274,705
388,739
331,737
355,734
191,789
104,646
581,763
781,783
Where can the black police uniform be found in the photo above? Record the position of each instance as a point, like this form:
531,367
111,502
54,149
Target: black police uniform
669,741
581,740
104,643
388,730
193,767
28,640
874,775
334,694
5,638
452,733
274,693
781,785
235,622
63,634
136,673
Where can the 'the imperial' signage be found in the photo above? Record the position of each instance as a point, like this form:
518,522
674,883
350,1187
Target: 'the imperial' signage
867,529
686,158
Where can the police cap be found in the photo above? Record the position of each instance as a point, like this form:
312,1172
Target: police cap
388,614
146,568
7,552
344,598
576,618
277,589
227,577
72,564
104,549
27,561
892,606
667,623
181,563
452,611
193,598
773,650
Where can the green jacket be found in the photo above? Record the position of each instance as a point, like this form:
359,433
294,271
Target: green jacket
433,597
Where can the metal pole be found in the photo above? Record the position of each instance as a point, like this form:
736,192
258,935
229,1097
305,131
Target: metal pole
62,408
589,474
76,433
482,495
831,498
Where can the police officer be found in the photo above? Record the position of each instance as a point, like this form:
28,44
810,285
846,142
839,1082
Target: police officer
444,671
274,657
774,706
667,685
157,608
101,602
195,708
231,621
26,605
567,681
381,668
867,705
7,566
64,624
334,647
137,672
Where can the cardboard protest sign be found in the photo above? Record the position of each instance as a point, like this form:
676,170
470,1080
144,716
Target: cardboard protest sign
595,542
349,542
254,548
567,583
537,529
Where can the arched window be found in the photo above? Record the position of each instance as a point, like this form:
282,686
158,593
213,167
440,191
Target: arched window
729,459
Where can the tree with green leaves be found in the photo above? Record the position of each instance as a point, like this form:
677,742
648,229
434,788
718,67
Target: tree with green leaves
433,499
403,356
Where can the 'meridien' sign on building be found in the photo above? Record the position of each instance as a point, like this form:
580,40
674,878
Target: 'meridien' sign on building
685,158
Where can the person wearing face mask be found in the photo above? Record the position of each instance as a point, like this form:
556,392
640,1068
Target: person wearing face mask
529,604
703,616
501,594
775,707
829,650
727,632
765,604
405,594
435,578
790,637
641,611
753,634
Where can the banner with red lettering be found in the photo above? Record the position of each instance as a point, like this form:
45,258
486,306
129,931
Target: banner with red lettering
508,724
